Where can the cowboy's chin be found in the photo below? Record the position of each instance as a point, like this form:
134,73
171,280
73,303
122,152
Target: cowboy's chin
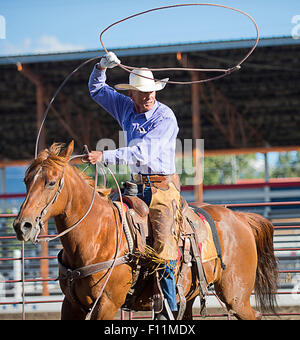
149,106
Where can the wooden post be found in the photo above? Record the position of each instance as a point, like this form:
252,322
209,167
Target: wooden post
40,114
196,126
40,107
196,121
44,266
37,81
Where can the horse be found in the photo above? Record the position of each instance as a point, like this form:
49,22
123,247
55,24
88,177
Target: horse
246,241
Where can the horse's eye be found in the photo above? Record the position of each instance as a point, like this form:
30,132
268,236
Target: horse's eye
51,184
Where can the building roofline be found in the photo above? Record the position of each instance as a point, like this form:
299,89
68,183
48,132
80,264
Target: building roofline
149,50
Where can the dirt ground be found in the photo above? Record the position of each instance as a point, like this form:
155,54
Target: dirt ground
56,316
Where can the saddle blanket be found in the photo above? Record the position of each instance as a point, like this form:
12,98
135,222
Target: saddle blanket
207,247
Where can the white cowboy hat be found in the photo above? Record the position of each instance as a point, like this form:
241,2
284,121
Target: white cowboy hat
142,84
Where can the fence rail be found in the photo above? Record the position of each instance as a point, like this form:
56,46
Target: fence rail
21,280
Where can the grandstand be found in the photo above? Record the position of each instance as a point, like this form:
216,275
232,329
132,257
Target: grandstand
260,104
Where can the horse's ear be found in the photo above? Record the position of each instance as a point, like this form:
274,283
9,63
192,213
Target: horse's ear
67,153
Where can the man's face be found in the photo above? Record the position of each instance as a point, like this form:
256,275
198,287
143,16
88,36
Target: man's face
143,101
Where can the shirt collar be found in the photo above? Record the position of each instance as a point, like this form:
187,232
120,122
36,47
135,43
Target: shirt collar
148,114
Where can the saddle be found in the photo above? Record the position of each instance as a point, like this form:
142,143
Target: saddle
196,234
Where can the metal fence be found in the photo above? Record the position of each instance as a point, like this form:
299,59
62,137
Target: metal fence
28,277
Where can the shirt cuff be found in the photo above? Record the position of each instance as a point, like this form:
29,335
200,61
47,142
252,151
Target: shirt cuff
100,75
109,157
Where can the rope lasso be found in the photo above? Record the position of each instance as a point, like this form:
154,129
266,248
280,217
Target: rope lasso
129,69
54,97
225,72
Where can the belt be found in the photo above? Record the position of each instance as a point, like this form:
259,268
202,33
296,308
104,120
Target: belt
147,179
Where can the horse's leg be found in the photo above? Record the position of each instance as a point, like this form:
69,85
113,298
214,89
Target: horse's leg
188,314
235,288
105,309
237,300
71,311
236,283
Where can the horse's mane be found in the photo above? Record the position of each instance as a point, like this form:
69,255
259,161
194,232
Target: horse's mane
55,159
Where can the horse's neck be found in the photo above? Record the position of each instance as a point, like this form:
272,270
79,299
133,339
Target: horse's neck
79,197
79,243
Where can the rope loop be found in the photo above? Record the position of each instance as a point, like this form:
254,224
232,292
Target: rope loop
129,69
225,72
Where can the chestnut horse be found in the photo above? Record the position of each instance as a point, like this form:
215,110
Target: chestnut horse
246,241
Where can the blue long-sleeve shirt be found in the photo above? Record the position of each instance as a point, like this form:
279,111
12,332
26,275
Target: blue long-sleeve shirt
151,136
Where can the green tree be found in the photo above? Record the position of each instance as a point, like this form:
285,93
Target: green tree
287,165
224,169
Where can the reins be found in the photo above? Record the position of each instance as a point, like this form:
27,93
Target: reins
59,190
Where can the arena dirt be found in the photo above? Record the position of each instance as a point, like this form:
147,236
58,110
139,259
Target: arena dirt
56,316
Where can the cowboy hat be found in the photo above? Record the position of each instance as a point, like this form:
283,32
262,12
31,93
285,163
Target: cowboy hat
137,82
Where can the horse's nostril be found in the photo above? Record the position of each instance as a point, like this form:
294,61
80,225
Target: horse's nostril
26,226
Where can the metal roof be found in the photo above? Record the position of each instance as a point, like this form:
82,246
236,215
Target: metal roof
149,50
256,108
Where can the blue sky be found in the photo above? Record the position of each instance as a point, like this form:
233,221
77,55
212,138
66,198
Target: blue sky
41,26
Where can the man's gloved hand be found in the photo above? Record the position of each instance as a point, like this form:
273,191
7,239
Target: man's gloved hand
110,60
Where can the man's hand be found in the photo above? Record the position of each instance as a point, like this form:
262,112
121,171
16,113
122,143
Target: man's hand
95,157
110,60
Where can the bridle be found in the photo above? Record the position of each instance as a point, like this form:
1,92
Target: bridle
53,200
39,219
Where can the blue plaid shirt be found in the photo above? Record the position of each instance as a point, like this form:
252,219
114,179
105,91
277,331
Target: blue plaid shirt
150,136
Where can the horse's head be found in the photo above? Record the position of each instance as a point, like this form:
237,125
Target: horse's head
44,181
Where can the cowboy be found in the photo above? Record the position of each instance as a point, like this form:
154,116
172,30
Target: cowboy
151,131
